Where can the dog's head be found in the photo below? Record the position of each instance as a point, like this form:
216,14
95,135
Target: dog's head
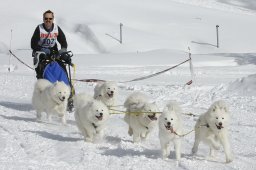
60,92
97,111
136,101
148,113
218,115
170,118
109,89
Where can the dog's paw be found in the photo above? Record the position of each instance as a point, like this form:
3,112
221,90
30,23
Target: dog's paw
143,135
229,159
177,162
39,120
178,157
38,117
216,146
143,138
130,131
88,140
164,157
164,154
64,122
136,139
194,150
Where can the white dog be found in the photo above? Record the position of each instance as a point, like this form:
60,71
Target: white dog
106,92
142,122
50,98
212,128
170,127
90,116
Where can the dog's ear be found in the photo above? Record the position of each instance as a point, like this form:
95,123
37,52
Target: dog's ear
98,97
214,108
226,109
166,109
90,103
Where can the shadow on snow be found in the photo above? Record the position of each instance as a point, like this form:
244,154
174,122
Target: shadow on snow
17,106
54,136
17,118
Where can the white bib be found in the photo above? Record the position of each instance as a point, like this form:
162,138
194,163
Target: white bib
51,39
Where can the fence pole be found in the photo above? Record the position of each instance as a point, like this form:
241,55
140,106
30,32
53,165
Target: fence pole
217,32
121,33
9,68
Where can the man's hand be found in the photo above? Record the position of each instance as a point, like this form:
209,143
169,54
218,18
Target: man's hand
66,57
46,51
62,50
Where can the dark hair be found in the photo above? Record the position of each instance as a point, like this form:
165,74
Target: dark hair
48,11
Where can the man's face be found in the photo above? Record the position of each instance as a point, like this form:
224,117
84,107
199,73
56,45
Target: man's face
48,20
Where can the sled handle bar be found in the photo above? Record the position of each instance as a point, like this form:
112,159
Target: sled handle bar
69,53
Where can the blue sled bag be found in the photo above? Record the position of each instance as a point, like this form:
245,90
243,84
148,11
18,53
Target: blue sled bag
54,72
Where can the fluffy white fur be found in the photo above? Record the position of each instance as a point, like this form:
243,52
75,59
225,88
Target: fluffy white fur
145,120
216,132
90,116
82,99
106,92
170,124
50,98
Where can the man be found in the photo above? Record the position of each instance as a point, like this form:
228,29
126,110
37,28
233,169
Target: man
44,46
45,40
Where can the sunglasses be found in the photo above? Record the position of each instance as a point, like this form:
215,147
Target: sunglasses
48,18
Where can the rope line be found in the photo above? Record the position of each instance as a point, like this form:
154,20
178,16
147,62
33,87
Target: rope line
140,78
121,111
20,60
155,74
126,112
172,131
189,131
89,80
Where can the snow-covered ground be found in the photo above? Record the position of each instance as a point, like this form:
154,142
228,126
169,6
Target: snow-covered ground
156,36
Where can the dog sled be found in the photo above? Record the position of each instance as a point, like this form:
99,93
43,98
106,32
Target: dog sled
54,68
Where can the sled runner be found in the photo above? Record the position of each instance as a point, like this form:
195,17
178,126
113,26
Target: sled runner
53,68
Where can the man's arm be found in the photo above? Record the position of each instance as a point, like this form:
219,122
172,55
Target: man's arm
62,39
35,39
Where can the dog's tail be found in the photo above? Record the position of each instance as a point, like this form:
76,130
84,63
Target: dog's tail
81,100
136,101
41,85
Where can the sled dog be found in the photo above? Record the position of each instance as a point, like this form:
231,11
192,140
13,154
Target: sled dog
106,92
50,98
91,116
142,122
170,126
212,128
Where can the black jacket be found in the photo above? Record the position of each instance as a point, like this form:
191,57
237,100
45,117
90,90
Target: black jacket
36,38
